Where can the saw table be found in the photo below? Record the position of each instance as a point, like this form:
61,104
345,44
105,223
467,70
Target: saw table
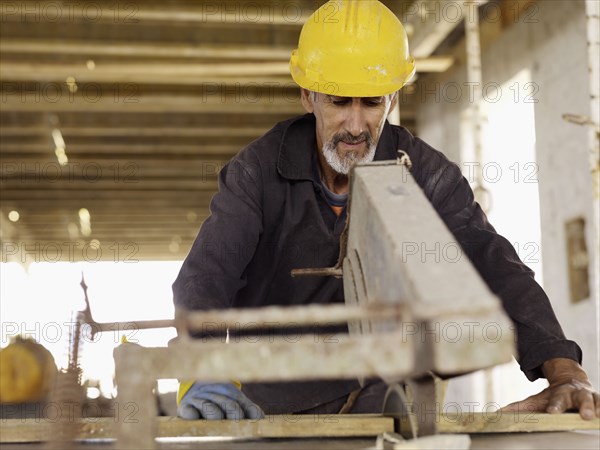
431,314
427,315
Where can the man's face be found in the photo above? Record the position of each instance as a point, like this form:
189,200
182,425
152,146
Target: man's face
348,128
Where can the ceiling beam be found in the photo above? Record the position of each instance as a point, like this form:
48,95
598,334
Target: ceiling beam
119,170
155,51
149,72
247,77
175,51
160,105
119,131
98,149
240,13
98,101
431,21
103,187
429,26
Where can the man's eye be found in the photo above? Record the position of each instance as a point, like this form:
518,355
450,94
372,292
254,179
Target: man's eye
372,103
341,102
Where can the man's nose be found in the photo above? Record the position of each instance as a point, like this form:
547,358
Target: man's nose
355,118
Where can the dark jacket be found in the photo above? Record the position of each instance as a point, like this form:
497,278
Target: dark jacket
270,216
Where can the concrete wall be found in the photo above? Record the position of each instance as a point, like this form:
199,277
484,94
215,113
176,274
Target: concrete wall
551,44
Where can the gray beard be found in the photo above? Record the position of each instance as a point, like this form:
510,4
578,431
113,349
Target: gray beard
342,165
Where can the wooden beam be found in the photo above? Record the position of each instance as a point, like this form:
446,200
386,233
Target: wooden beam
249,77
429,26
136,104
117,131
200,70
160,104
117,168
106,187
431,22
116,231
84,119
236,14
90,50
103,200
114,250
138,216
270,75
99,149
301,426
434,64
120,235
215,13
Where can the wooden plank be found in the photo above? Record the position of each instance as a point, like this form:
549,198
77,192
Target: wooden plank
513,422
284,426
299,426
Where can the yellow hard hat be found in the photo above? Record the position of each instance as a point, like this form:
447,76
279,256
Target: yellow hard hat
27,371
352,48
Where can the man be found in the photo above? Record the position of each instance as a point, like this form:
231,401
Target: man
281,205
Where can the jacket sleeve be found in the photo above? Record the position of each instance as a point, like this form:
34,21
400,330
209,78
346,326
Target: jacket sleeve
213,271
539,335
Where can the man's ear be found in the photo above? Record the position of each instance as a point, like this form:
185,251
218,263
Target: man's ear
307,100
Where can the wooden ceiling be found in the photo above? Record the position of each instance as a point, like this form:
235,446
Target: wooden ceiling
150,99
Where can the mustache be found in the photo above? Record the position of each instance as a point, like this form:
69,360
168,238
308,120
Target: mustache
365,136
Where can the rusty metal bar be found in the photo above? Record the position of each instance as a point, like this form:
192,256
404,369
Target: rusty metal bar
268,317
131,325
290,316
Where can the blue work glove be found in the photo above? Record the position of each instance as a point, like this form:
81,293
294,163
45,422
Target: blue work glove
217,402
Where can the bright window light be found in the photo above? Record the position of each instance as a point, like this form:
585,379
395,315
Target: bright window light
39,302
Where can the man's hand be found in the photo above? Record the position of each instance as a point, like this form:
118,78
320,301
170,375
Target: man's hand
217,402
569,388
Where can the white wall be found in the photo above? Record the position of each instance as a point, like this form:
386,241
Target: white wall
552,45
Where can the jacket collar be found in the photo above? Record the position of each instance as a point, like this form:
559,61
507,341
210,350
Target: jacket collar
298,147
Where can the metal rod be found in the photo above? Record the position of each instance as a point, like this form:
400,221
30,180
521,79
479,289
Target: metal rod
291,316
267,317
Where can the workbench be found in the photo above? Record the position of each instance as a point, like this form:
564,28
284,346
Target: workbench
571,440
